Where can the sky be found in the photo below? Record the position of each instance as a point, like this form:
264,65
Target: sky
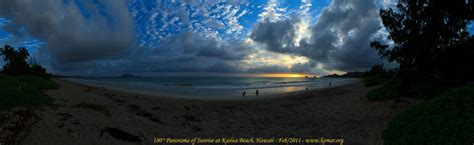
196,37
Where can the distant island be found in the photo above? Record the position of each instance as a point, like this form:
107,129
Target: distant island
347,75
129,76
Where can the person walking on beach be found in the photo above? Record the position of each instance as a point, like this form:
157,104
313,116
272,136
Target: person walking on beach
243,94
256,92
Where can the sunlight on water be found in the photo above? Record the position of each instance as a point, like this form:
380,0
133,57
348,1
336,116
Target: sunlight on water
212,87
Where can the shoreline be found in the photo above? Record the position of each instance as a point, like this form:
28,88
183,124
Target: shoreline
89,115
211,99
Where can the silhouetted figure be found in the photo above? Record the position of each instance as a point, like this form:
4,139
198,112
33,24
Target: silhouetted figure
329,83
306,88
256,92
243,94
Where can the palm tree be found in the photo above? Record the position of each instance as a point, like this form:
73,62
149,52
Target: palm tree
15,60
7,52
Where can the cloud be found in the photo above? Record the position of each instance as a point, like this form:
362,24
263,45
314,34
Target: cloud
192,44
74,31
277,35
339,39
184,52
189,36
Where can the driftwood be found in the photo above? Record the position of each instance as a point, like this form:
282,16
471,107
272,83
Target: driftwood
120,134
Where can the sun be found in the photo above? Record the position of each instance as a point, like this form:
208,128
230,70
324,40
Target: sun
295,75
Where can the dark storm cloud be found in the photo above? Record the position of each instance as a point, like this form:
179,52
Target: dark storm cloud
295,68
185,52
277,35
74,32
339,39
99,38
202,53
192,44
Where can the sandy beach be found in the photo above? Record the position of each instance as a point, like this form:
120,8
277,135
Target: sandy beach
338,112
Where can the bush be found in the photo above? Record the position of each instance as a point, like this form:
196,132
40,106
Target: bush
446,119
24,91
424,89
393,88
375,80
38,81
390,90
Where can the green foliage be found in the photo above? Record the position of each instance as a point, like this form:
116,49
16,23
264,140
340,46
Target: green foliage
24,91
423,89
395,88
377,75
429,37
446,119
376,70
94,107
390,90
15,60
38,81
37,69
374,80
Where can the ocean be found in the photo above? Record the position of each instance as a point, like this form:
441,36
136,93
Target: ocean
215,88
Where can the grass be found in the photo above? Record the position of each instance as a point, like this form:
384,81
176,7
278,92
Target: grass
445,119
24,91
392,88
94,107
40,82
375,80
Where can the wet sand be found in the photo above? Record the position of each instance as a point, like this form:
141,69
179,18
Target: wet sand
126,118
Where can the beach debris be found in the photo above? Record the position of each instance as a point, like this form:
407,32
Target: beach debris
120,134
88,89
294,104
16,126
156,108
143,113
228,107
190,118
120,101
232,107
197,128
399,102
134,107
108,95
94,107
65,116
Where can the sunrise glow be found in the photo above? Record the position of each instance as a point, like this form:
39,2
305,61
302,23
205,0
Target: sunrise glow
286,75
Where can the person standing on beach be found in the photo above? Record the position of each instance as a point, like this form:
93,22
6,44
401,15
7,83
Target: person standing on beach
256,92
306,88
243,94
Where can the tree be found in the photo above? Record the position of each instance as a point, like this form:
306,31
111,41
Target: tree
15,60
424,33
36,68
376,70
